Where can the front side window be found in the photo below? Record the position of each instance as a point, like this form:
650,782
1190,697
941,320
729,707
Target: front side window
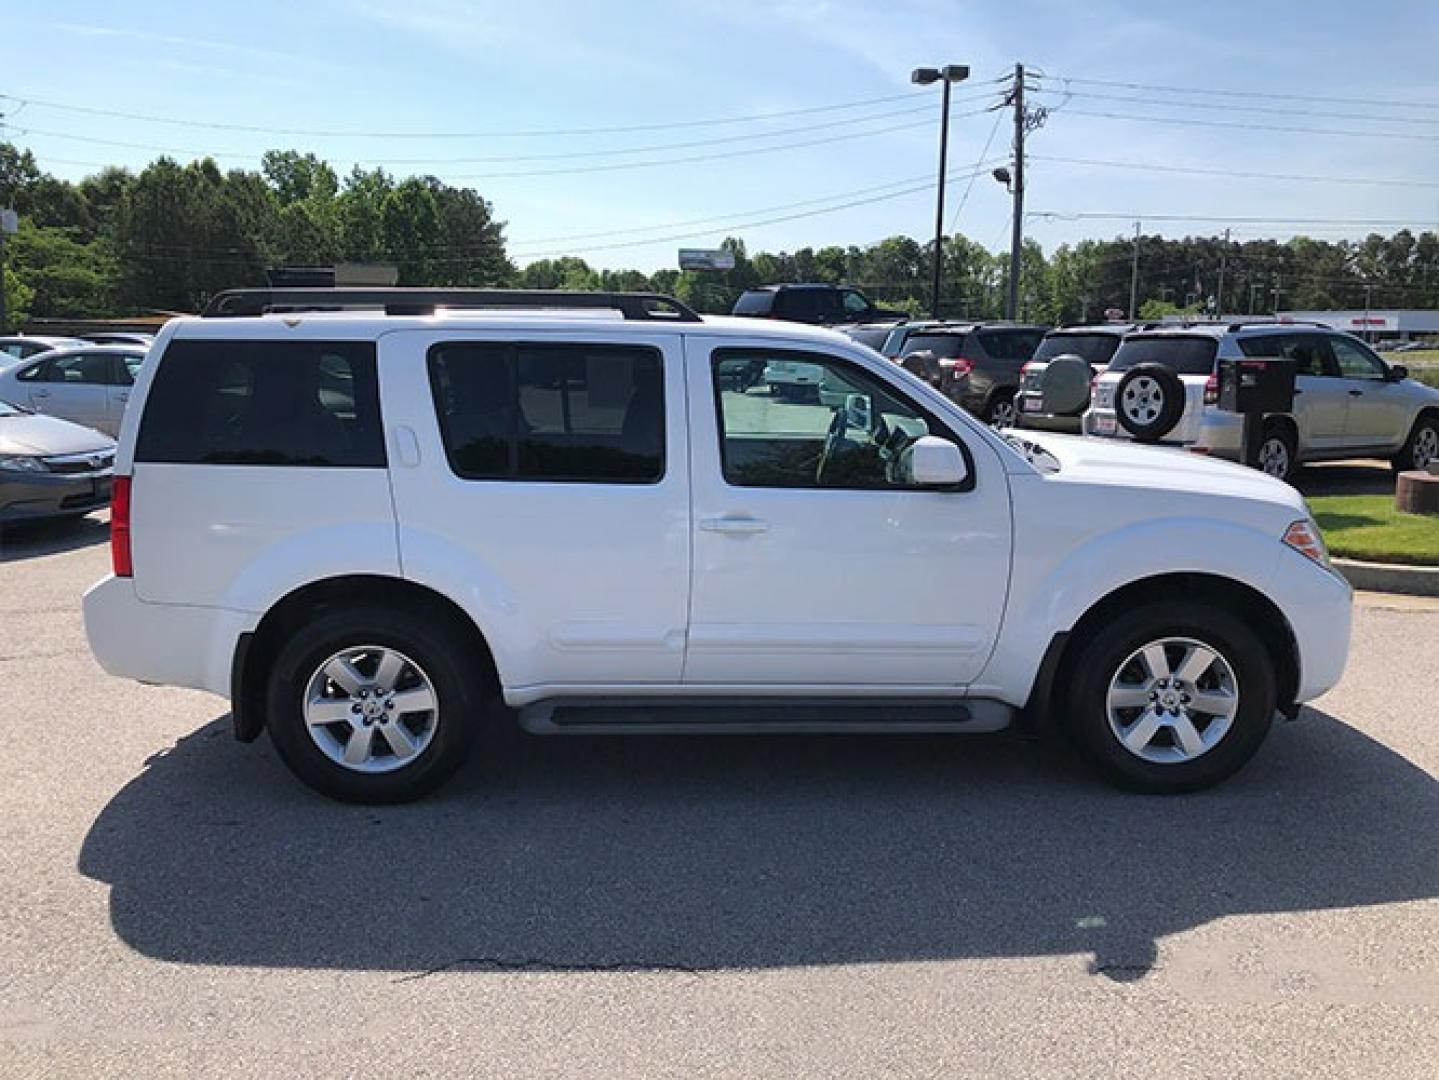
85,369
294,403
1355,361
854,302
581,413
857,435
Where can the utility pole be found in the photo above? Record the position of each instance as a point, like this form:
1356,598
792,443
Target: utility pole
1219,293
1016,241
1276,291
1368,303
1134,278
1254,288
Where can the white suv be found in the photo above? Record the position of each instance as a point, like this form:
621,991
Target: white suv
1162,386
366,523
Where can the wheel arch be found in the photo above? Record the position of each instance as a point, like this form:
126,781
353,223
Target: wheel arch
1234,596
257,649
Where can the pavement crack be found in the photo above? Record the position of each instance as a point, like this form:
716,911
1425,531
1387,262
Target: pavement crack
501,963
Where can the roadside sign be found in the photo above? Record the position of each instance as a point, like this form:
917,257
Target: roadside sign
706,259
9,222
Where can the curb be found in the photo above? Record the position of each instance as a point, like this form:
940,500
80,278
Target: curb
1390,577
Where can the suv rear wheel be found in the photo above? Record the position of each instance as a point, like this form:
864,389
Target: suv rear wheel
1165,700
1276,452
372,706
1002,411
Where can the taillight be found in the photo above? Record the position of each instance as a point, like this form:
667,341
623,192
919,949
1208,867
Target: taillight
1211,390
120,529
957,367
1023,369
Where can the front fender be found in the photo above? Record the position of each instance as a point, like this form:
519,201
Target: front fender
1050,595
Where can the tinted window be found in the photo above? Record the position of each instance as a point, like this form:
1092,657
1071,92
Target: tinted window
264,403
14,349
754,303
944,346
550,412
856,436
127,369
1306,350
874,337
804,305
1010,344
1355,361
854,302
85,369
1094,348
1186,355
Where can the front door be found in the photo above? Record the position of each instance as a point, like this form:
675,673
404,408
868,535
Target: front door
816,562
1378,414
545,480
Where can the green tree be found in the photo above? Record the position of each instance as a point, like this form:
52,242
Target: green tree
18,296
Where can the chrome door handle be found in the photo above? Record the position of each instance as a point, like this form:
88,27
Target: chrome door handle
40,393
122,397
735,526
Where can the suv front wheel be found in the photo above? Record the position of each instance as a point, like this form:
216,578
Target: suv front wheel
1165,700
372,706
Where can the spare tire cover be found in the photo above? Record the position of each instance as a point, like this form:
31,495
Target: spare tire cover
1149,401
1065,385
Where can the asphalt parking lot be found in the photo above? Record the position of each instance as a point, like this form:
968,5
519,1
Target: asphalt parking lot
174,903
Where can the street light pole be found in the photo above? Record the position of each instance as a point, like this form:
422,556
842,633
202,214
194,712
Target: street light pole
948,75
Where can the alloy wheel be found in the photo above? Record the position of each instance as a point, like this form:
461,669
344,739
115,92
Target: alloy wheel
1143,400
1274,457
1426,446
1003,414
371,709
1172,700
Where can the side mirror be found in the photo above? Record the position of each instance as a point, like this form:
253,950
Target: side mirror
858,412
1398,373
936,462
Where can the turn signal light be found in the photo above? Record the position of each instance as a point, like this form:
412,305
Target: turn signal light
1211,390
1304,537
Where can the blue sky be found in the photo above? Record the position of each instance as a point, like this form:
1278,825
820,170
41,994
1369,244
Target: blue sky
382,68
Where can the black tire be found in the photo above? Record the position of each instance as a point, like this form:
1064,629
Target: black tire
432,645
1159,401
1406,458
1275,446
1100,660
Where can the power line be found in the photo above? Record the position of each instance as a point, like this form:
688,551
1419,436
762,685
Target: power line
1263,94
1223,107
1253,127
501,134
1244,174
963,199
1133,216
913,189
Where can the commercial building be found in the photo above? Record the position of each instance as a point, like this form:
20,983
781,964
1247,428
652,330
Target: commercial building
1376,325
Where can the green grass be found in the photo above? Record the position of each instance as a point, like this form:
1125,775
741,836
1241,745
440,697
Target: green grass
1368,527
1418,357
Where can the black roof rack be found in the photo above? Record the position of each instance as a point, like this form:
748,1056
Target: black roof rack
640,306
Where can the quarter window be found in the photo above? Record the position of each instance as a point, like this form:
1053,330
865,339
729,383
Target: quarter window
296,403
585,413
806,420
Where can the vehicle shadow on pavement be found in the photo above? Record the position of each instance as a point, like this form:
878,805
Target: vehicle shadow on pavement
31,541
1345,478
576,853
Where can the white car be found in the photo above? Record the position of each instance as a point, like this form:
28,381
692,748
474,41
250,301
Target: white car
362,526
85,384
1162,386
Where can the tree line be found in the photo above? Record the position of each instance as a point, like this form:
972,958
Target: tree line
168,237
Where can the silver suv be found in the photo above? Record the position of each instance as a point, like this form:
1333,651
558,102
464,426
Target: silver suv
1162,387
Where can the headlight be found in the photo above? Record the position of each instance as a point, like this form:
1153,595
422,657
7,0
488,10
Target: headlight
1305,538
21,463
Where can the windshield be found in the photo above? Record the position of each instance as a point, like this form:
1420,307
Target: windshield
1186,355
1094,348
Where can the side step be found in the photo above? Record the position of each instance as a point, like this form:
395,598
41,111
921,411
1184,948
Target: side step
751,715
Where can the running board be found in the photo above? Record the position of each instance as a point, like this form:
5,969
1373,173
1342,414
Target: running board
751,715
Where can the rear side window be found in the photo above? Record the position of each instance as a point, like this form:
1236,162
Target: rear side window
541,412
1186,355
754,303
944,346
297,403
1094,348
1010,344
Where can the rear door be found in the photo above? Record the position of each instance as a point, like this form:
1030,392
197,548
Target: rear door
75,388
545,477
815,562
